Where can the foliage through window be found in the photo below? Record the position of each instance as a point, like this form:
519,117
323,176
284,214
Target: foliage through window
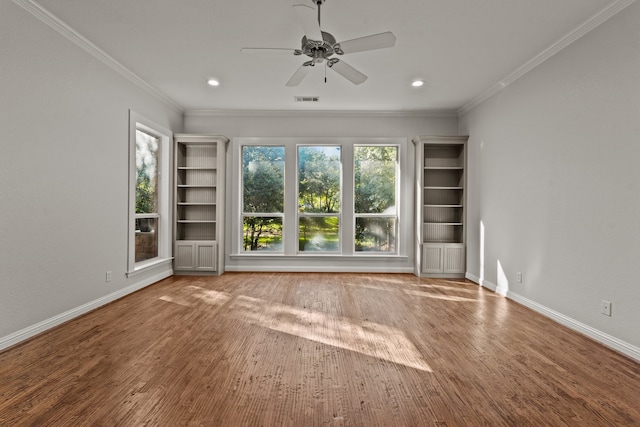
305,197
262,197
319,184
375,204
146,210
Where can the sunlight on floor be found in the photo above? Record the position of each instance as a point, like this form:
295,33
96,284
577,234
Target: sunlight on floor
473,291
439,296
188,296
368,338
422,292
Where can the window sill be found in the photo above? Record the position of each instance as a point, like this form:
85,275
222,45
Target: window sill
145,266
370,256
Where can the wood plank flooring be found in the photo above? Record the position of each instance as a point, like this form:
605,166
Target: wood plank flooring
298,349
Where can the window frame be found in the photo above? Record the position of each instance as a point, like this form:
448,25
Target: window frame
244,214
338,214
165,137
295,260
382,215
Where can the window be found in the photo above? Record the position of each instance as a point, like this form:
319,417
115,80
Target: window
319,184
375,205
262,198
146,196
310,199
149,218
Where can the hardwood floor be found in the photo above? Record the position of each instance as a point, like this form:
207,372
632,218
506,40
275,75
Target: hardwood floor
298,349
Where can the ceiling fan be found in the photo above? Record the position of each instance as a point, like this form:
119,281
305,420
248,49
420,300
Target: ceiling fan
320,46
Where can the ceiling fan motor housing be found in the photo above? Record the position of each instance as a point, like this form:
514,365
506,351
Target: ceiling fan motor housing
319,50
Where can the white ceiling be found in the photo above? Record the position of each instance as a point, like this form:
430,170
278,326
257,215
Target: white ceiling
460,48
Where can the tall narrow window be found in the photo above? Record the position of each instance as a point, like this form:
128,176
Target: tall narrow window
375,201
149,195
262,198
146,215
319,185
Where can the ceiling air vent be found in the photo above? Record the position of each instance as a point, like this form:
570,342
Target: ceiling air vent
306,98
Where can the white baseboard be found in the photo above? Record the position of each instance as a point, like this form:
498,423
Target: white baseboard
38,328
316,269
484,283
599,336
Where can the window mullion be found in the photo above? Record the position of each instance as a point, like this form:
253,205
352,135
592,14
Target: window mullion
290,220
347,220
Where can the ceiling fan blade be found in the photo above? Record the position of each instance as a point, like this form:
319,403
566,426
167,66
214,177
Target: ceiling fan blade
266,50
376,41
308,18
348,72
298,76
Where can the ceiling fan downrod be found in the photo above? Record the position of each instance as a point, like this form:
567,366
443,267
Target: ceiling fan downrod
319,4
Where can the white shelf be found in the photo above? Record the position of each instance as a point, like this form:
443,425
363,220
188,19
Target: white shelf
195,204
440,213
444,167
195,168
199,203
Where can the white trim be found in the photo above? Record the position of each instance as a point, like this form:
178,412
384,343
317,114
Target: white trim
587,26
484,283
473,278
321,113
38,328
165,200
490,285
65,30
316,256
145,266
290,249
288,268
599,336
596,335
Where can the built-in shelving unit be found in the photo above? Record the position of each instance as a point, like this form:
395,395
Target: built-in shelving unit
199,203
440,201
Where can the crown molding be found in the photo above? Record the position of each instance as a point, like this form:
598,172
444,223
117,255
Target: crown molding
65,30
321,113
543,56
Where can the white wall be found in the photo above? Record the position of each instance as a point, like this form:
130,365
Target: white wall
338,127
321,124
553,162
63,175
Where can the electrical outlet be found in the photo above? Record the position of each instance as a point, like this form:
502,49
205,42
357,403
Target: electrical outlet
107,276
519,277
605,308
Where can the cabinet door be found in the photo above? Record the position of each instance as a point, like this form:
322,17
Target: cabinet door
432,257
454,258
185,256
206,256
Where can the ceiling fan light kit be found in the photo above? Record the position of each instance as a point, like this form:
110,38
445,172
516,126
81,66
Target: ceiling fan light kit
320,46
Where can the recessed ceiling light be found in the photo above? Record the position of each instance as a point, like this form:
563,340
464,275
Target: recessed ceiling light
417,83
213,82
